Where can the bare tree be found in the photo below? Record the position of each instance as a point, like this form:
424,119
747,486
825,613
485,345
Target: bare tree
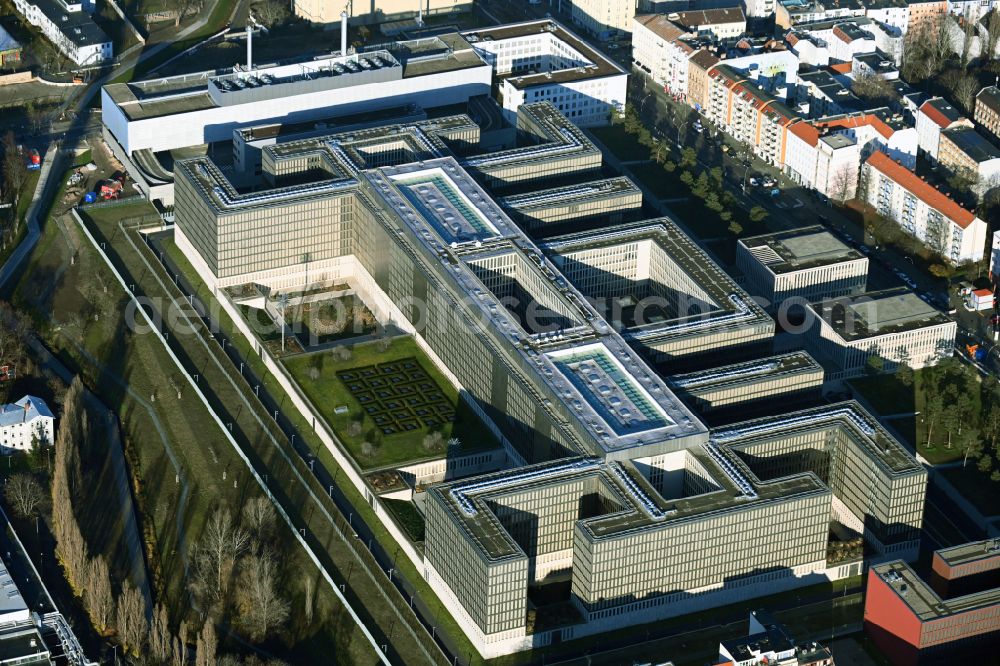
259,519
993,35
180,651
206,646
221,543
965,88
24,494
262,608
15,171
269,12
131,620
160,639
98,597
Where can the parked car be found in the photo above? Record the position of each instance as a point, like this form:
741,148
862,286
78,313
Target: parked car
770,182
864,249
754,182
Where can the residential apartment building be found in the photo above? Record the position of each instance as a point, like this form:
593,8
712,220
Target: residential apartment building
720,24
895,325
926,15
923,211
661,48
804,264
876,130
699,87
759,9
328,11
25,422
914,625
828,162
934,116
748,114
69,28
603,18
963,150
987,114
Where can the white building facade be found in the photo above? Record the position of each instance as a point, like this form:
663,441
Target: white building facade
25,422
921,210
69,28
604,18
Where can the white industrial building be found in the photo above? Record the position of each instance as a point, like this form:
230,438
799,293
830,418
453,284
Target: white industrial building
25,421
894,325
69,27
919,208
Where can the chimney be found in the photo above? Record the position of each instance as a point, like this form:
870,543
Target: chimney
343,33
420,13
249,46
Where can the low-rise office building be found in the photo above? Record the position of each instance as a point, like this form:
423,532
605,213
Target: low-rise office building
748,387
542,61
894,325
920,209
808,263
915,626
69,28
25,422
607,201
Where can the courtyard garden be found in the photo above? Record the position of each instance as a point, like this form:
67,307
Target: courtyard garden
388,403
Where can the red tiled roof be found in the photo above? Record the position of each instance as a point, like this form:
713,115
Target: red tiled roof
841,67
805,131
660,26
877,123
921,189
983,292
932,112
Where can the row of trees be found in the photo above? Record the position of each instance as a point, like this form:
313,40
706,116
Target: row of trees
227,551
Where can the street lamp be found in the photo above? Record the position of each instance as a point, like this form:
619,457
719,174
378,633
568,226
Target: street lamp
283,303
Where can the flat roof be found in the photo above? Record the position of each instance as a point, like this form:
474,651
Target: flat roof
77,27
731,305
878,313
970,552
972,143
799,249
153,98
594,190
598,66
748,372
925,603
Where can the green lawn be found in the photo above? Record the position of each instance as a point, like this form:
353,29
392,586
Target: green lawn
327,392
407,516
887,395
663,185
624,145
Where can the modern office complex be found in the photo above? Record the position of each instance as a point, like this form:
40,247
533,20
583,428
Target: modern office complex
922,210
668,298
150,124
549,345
916,626
781,381
542,61
808,263
894,325
69,28
607,201
489,538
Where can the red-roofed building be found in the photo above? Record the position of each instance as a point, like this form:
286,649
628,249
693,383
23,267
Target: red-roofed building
934,116
876,130
748,114
824,161
922,210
